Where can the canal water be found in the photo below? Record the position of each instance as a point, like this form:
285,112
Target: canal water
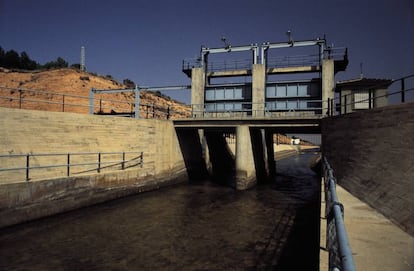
196,226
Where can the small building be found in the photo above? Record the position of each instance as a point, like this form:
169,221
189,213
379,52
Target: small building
361,94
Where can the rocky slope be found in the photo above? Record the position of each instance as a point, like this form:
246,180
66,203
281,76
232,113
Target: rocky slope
72,87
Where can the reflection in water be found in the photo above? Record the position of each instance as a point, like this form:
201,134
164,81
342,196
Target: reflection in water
197,226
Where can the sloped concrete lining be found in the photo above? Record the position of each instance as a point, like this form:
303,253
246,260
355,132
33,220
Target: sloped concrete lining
372,155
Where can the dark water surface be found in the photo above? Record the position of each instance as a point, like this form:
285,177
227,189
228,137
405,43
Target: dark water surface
197,226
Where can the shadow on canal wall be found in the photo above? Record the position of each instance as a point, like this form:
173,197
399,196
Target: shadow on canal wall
374,159
27,131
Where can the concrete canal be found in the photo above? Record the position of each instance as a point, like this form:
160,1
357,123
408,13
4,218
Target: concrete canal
196,226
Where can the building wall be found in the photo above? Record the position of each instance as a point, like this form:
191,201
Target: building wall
26,131
372,155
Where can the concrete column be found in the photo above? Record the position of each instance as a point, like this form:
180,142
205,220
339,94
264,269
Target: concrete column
328,82
270,153
258,89
197,91
245,169
346,101
380,98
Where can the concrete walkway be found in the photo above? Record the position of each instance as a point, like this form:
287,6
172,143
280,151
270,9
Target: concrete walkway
376,243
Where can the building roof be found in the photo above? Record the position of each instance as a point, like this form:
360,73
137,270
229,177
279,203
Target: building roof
363,82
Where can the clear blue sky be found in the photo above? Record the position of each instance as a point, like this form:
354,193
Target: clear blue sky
146,41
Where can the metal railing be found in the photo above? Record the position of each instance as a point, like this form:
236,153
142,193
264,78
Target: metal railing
337,53
337,243
60,102
289,107
27,163
293,61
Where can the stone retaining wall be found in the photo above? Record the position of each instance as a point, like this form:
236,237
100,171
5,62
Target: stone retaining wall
26,131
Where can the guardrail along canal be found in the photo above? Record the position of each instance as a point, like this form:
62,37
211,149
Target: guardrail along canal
196,226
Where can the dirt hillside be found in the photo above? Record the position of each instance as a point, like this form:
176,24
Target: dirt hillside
72,87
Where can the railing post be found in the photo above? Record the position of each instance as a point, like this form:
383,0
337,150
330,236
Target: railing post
402,90
142,160
63,103
168,112
68,167
329,107
370,99
27,166
153,110
123,161
99,162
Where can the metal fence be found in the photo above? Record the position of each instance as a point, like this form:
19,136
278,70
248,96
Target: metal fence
337,244
24,165
60,102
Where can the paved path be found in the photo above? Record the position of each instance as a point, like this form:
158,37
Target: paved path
376,243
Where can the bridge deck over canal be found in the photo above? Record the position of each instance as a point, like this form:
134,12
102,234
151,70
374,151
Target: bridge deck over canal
287,124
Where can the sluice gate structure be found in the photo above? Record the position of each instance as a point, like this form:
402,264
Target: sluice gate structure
259,107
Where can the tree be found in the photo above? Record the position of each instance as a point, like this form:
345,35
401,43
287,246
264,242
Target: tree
59,63
75,66
2,53
129,83
11,59
26,62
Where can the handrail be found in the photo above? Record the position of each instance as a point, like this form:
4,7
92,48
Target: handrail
337,243
214,109
123,162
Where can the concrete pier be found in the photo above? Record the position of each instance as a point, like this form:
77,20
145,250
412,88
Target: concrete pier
245,169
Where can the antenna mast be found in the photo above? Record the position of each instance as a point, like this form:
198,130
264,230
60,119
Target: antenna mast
82,64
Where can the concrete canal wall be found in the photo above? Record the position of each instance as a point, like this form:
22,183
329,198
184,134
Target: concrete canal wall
26,131
372,154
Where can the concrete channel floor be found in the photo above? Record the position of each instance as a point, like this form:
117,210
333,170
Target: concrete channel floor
376,242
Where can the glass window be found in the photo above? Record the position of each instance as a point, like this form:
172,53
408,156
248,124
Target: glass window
292,90
219,94
361,99
281,91
238,93
228,94
303,90
281,105
209,95
292,105
271,91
